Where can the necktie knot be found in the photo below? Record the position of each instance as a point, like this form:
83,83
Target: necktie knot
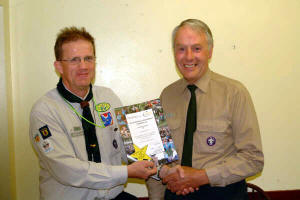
192,88
83,104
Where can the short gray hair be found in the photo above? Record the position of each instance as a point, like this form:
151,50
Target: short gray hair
198,26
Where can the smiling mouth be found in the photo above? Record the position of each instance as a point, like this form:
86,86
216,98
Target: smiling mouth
190,66
83,75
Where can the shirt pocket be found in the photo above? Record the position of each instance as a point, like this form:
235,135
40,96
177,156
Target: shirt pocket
211,137
176,129
77,140
173,120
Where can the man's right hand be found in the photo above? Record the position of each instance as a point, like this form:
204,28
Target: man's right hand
141,169
178,172
193,178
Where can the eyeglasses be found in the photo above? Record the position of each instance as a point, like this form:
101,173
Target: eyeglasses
77,60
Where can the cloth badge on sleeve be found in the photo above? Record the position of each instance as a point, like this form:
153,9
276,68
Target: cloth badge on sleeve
46,146
107,119
211,141
45,132
102,107
37,138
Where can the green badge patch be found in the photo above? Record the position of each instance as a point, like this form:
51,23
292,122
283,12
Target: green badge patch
103,107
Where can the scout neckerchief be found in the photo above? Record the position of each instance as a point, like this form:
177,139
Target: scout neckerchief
91,141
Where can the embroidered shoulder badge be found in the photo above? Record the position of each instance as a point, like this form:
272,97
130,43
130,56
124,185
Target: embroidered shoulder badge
45,132
37,138
102,107
107,119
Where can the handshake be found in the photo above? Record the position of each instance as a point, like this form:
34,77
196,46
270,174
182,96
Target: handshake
183,180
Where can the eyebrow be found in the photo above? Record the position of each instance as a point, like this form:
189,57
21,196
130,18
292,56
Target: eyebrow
176,45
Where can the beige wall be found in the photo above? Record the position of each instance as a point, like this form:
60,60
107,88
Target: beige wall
4,167
7,167
256,42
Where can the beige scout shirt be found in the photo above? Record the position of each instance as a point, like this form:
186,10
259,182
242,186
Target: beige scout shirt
65,171
227,141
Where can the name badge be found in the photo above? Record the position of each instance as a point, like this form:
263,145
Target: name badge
76,131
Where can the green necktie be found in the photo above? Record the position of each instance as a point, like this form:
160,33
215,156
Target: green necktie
191,123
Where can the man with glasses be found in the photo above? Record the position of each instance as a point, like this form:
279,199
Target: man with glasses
73,130
213,125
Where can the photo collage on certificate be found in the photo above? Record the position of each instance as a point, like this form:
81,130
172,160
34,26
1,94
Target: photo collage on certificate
145,133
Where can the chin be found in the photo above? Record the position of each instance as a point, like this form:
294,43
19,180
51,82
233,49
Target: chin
84,83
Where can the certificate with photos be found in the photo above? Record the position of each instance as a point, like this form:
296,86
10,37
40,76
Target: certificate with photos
145,133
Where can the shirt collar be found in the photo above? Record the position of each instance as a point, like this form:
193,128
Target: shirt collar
202,83
75,94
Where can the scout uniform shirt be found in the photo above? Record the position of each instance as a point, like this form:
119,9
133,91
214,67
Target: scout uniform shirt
57,135
227,141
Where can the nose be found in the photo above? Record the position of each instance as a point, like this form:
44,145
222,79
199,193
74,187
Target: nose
83,63
189,54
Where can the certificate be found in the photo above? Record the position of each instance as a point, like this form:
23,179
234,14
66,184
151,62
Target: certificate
145,133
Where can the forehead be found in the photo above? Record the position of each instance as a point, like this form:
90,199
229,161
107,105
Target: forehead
77,47
187,35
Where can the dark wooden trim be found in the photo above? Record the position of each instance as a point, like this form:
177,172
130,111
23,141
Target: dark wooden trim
284,194
274,195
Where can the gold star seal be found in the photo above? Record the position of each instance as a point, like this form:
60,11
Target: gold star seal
140,154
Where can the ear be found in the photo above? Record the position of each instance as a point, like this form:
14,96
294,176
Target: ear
211,52
58,66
